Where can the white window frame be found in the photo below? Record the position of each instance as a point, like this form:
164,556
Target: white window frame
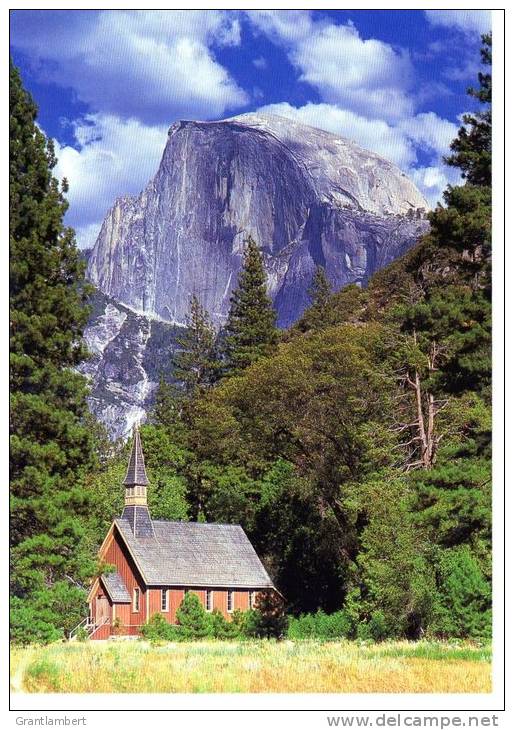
251,599
165,595
230,601
208,600
136,600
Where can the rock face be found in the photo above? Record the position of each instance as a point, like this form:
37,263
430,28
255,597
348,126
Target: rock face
128,353
306,196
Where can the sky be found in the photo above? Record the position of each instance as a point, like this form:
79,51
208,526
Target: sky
109,83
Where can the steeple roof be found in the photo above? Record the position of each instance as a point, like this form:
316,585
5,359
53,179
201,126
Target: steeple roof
136,472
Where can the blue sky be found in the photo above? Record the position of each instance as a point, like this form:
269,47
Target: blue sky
109,84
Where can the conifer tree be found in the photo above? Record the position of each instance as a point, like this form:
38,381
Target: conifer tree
51,446
319,292
196,365
450,324
472,149
250,330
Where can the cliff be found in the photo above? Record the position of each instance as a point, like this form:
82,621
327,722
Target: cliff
306,196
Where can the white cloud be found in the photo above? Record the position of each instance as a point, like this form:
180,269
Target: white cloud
86,235
429,132
432,181
152,65
367,91
282,26
115,157
470,21
368,77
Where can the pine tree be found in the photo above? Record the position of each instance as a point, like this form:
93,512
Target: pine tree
317,316
250,329
450,321
472,150
51,447
196,364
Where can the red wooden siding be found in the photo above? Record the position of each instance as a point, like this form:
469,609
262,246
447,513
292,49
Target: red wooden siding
116,553
219,601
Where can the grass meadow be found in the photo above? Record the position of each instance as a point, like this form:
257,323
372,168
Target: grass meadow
253,666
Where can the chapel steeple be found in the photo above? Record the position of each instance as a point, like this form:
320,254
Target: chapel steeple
136,506
136,480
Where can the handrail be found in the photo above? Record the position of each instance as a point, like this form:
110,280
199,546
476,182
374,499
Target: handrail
84,623
106,620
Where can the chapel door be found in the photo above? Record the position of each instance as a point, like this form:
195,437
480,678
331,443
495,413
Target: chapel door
102,609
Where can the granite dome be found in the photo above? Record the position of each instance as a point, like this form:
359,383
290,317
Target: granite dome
308,197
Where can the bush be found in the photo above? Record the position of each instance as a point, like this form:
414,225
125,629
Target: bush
82,634
220,628
158,629
46,615
378,626
464,601
320,625
268,619
30,626
193,618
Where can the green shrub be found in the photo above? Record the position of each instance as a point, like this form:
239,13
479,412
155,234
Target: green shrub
320,625
464,602
193,618
378,626
82,634
220,628
31,625
268,619
158,629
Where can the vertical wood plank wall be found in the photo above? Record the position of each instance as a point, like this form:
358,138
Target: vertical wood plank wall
117,554
219,601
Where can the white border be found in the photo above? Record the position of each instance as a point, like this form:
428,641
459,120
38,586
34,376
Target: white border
325,704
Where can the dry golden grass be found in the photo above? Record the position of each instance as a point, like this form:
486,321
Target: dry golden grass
259,666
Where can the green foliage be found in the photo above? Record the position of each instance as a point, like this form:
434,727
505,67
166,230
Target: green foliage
318,314
268,619
166,409
47,614
395,571
196,364
472,150
158,630
51,443
82,635
167,496
250,328
220,628
464,608
193,618
320,625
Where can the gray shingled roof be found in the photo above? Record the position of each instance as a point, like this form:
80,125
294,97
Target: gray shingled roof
196,554
116,588
136,472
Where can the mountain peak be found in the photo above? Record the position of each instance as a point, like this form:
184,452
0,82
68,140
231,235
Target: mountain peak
306,196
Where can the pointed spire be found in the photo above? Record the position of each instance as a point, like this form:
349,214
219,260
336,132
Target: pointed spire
136,472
